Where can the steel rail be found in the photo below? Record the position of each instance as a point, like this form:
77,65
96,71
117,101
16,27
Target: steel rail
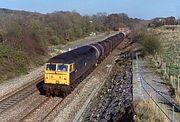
13,98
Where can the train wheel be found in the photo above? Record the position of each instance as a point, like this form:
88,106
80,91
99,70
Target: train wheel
53,93
69,89
56,92
64,94
48,93
72,87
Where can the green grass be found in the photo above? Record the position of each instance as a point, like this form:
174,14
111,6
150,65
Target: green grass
171,43
170,39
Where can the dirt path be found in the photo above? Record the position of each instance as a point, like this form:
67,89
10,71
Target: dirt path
147,85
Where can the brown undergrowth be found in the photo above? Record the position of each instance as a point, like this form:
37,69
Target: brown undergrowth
147,111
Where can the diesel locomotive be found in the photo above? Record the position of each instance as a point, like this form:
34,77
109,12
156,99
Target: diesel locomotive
65,70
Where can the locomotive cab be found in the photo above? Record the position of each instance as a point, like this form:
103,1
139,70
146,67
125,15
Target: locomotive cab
58,73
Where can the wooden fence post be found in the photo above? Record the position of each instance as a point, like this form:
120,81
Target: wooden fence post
174,82
178,83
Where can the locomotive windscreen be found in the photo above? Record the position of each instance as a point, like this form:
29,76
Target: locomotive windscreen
51,67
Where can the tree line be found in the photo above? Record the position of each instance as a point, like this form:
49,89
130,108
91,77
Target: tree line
160,21
33,32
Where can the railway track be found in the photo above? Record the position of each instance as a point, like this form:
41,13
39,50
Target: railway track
12,98
52,110
42,110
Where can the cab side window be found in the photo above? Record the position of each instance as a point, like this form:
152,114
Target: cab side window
71,68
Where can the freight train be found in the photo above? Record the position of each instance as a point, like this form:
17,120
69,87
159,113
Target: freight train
64,71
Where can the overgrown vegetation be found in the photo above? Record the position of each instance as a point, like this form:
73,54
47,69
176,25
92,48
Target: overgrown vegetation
149,43
168,61
12,62
147,111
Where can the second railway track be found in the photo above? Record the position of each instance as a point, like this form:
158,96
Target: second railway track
14,97
42,110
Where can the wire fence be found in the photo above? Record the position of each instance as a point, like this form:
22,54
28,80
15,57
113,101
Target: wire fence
171,103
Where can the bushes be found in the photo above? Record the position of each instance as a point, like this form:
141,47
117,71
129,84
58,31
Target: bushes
149,43
14,29
12,62
146,111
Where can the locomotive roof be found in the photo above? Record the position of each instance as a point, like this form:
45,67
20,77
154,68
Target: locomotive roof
70,56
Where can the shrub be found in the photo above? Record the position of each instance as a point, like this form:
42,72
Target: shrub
146,111
149,43
13,62
14,30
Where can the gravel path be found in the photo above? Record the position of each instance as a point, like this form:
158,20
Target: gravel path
154,80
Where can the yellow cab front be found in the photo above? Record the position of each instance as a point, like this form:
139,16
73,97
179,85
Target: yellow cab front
57,73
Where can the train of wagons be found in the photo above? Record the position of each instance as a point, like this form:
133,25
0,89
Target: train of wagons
64,71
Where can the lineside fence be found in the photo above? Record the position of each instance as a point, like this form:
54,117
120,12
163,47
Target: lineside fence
147,87
170,70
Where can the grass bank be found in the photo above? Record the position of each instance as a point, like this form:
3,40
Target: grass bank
147,111
169,60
